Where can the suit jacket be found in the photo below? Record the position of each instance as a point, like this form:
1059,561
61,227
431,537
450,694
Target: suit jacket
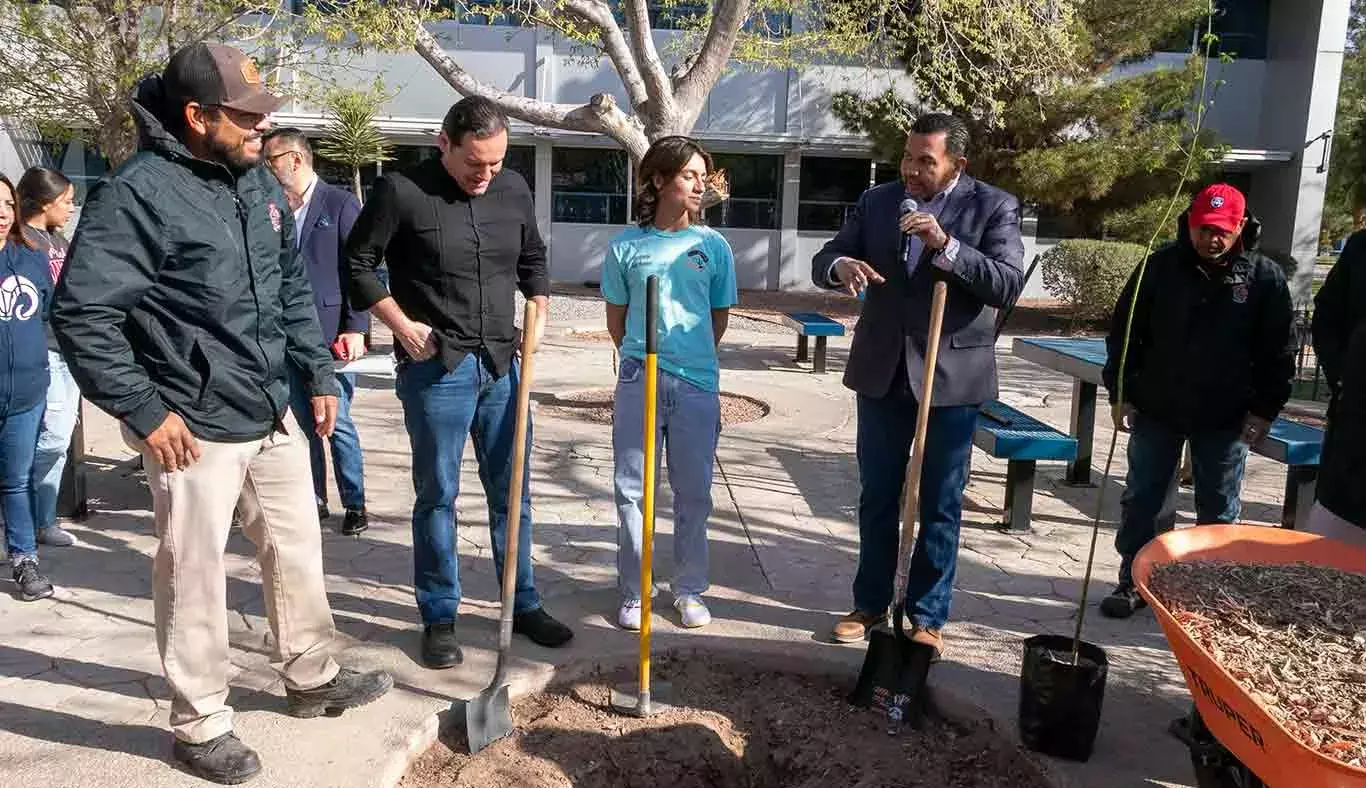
986,276
322,237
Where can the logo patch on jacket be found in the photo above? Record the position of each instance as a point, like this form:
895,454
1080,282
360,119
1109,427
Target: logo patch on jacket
275,219
1240,293
698,258
19,299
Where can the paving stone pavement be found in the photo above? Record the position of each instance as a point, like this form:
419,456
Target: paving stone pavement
82,701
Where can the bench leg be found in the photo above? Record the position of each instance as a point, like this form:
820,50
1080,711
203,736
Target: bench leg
1300,481
1084,430
801,347
818,363
1019,495
71,497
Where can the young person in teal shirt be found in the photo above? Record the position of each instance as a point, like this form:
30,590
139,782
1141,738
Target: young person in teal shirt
696,291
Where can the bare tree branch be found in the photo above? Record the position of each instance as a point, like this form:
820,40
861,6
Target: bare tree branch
657,82
614,43
692,88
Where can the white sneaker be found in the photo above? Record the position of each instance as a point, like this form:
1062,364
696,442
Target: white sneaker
629,615
694,611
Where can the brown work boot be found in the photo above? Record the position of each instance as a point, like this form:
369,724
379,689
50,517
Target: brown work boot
854,627
933,638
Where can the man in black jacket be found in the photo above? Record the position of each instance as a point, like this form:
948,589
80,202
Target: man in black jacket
1340,344
459,235
1209,361
182,302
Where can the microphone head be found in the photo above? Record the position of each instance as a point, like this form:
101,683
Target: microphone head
909,206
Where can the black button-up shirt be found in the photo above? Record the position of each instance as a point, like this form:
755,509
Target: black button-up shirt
453,259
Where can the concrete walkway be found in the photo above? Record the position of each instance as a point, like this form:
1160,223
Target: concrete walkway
82,701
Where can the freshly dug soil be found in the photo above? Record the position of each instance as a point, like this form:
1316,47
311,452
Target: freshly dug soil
1294,636
595,405
742,727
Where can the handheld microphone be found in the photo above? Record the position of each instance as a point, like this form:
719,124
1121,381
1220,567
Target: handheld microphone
908,205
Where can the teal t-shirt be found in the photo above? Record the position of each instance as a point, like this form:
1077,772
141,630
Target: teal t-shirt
696,275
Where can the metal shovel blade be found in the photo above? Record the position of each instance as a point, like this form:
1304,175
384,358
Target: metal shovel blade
626,699
488,717
892,681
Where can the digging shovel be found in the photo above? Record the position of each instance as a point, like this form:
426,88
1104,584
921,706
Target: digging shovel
896,668
488,717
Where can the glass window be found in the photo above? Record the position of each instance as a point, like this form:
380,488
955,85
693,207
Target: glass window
588,186
756,188
520,159
79,161
885,173
829,189
1241,25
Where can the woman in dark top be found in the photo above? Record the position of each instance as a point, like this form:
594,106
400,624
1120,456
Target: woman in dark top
25,295
46,202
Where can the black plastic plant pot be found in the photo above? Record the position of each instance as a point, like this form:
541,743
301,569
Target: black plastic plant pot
1060,702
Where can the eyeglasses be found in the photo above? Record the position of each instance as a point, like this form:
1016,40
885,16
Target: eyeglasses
283,153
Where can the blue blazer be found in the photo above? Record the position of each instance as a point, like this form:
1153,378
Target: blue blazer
987,276
322,237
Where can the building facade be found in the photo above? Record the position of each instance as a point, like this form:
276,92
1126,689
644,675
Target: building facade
794,170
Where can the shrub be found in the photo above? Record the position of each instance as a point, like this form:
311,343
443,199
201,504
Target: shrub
1089,275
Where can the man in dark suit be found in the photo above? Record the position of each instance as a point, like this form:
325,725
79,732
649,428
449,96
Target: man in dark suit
966,233
324,215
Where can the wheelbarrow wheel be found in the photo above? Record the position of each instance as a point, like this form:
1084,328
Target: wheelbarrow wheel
1215,766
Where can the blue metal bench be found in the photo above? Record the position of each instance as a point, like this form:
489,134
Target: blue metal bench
1021,440
1298,446
813,324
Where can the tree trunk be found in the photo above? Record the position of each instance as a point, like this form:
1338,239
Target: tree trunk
355,183
116,137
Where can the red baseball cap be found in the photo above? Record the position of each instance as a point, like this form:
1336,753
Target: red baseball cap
1220,206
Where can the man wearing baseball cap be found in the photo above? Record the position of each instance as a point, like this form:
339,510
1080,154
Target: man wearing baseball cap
1210,361
182,305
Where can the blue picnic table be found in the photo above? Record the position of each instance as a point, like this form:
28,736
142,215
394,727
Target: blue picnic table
1292,443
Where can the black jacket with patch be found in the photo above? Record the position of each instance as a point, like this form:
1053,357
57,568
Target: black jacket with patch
183,292
1210,343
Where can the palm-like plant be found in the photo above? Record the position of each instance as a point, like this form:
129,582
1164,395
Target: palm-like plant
352,137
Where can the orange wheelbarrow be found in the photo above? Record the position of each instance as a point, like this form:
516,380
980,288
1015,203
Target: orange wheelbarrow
1234,742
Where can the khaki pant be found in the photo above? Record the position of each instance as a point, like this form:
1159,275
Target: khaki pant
269,482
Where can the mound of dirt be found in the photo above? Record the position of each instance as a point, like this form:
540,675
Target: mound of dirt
595,405
742,727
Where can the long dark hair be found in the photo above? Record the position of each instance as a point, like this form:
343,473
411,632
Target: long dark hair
16,228
665,158
39,188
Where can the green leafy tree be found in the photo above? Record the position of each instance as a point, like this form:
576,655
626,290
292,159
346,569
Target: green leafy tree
351,136
1346,195
1102,155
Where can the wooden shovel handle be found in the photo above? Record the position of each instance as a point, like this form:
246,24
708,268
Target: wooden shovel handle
519,453
911,508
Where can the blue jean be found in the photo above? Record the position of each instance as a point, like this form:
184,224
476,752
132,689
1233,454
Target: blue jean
348,463
1218,458
18,443
886,427
54,438
440,409
687,425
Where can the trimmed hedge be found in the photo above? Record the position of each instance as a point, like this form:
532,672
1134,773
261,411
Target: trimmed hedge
1089,275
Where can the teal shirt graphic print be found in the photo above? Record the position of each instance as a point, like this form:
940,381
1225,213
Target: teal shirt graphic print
696,272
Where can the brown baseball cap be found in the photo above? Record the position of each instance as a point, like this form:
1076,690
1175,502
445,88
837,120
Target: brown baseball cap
213,74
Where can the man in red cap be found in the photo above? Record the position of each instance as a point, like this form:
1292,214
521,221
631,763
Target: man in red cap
182,306
1210,361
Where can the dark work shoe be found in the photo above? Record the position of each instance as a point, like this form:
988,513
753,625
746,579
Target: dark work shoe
347,690
440,649
1123,602
355,522
224,760
31,583
541,628
323,512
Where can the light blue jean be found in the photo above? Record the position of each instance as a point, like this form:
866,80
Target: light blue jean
54,438
348,462
687,424
18,439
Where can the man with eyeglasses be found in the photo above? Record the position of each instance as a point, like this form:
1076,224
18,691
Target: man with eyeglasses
182,306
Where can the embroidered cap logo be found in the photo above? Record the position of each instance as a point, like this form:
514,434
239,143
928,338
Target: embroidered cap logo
1217,201
250,74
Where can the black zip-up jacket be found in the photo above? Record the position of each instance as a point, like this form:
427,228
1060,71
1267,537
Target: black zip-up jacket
454,260
1210,343
1340,344
183,292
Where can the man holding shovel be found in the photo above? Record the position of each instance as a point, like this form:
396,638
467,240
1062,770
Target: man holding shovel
459,234
936,224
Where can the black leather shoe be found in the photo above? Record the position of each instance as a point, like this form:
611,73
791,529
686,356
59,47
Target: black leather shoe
323,512
347,690
224,760
440,649
355,522
541,628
